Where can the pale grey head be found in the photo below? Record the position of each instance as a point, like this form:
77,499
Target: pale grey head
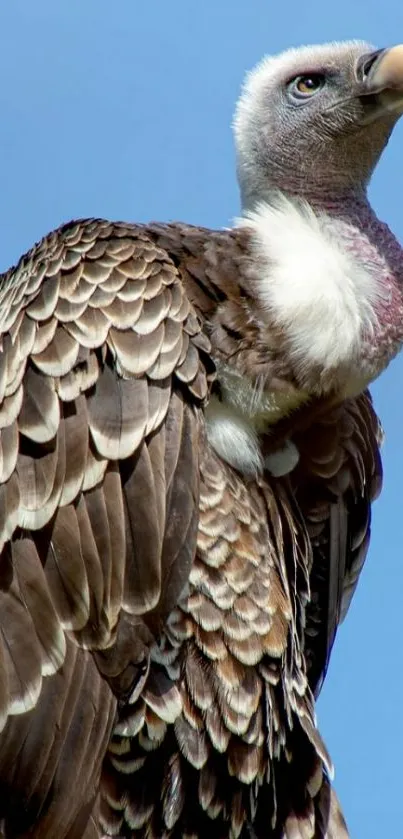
313,121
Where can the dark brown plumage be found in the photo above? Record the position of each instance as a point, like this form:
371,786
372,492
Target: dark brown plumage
185,490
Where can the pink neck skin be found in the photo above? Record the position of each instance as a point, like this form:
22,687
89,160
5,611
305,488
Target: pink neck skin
374,245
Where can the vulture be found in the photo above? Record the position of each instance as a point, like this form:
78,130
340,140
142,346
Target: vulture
189,454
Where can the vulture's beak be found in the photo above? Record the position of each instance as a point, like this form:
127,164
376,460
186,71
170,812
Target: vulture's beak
380,74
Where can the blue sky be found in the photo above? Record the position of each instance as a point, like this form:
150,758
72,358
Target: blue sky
123,110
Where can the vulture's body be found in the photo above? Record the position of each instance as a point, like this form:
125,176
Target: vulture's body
188,457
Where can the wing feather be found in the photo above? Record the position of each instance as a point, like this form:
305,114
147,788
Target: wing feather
98,500
337,480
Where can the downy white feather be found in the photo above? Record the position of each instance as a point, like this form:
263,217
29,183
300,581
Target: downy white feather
233,437
321,296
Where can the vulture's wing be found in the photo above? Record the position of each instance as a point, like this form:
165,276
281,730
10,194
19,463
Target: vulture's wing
103,369
338,476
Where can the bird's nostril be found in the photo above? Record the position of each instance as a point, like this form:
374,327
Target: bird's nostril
365,64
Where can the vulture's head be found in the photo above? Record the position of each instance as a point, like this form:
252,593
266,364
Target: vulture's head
314,121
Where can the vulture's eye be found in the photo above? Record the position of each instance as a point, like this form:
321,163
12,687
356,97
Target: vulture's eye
303,87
